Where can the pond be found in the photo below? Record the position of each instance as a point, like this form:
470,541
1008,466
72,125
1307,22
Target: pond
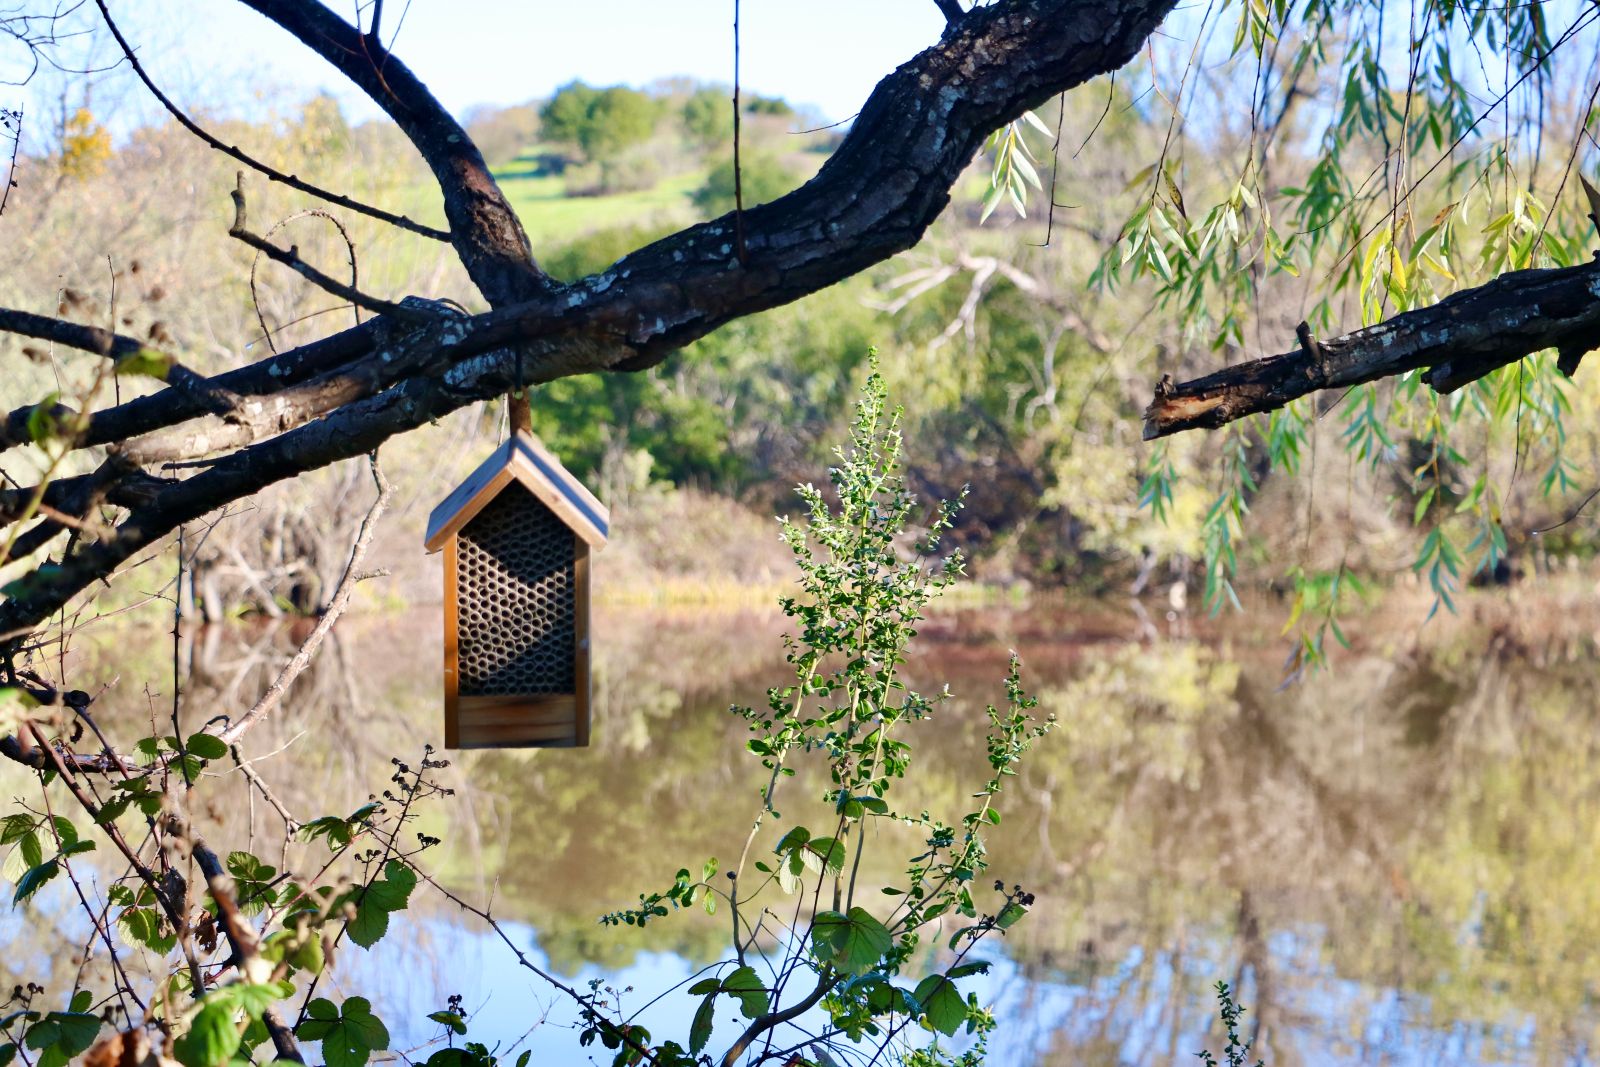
1396,862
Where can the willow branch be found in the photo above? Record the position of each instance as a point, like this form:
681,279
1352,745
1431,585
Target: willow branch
1455,342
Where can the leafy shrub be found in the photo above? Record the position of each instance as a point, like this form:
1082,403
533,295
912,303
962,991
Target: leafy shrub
763,177
601,123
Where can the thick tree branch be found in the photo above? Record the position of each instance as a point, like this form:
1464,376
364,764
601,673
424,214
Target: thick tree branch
158,411
120,349
889,179
486,233
1458,340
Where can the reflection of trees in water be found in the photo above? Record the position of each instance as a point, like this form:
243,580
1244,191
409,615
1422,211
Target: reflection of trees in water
1389,827
1427,826
1412,826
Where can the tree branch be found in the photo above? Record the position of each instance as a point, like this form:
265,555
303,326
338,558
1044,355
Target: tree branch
1458,340
240,231
889,179
145,414
484,230
120,349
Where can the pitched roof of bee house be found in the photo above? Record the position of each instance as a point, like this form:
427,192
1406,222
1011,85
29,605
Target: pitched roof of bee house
524,460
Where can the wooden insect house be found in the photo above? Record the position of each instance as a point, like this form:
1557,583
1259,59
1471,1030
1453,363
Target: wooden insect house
516,537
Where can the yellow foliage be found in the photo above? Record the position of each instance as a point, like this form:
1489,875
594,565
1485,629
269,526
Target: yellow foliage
85,146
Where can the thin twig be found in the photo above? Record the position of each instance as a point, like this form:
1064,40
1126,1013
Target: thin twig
290,258
738,175
336,606
1575,513
271,173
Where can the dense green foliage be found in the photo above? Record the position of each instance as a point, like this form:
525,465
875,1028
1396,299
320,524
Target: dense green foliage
599,122
858,605
762,177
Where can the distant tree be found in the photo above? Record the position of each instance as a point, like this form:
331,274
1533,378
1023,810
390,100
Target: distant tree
769,105
601,123
503,132
85,145
708,116
322,131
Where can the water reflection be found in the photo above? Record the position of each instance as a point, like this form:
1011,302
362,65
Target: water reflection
1396,863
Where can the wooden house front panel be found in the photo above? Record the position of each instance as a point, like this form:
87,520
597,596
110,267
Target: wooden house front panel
520,594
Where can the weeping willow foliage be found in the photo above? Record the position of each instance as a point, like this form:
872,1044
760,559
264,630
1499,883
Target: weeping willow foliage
1338,162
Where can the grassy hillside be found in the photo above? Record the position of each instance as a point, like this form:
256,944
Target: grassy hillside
554,217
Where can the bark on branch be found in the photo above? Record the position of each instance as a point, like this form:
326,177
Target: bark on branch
886,183
1456,341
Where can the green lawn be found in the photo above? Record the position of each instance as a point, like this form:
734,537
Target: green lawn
553,218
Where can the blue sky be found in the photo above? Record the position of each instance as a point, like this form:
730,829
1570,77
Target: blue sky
825,53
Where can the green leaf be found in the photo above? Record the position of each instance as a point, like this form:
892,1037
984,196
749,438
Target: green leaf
1009,915
384,895
852,943
8,1052
700,1029
745,984
113,809
393,890
253,998
309,956
42,420
941,1003
33,879
789,870
206,746
213,1037
449,1018
42,1034
142,926
322,1015
12,827
146,361
822,852
349,1033
793,840
357,1013
369,925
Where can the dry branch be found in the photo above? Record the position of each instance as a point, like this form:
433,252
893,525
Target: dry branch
290,257
270,699
1456,341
